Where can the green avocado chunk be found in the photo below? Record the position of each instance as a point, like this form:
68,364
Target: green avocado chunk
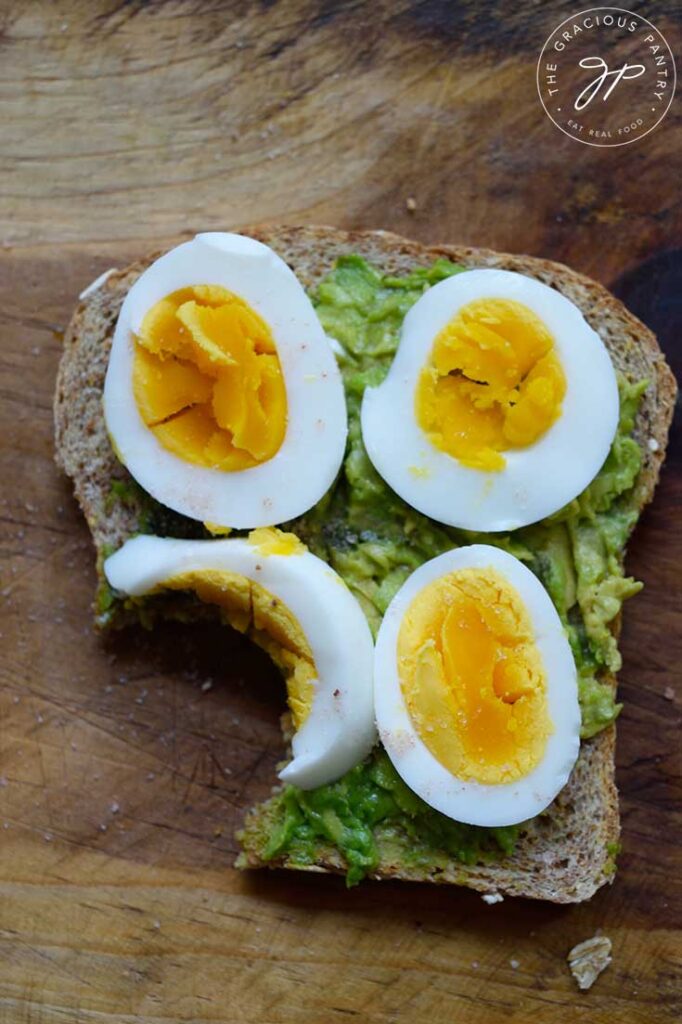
374,541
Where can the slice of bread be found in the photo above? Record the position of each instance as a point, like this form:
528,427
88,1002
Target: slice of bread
567,854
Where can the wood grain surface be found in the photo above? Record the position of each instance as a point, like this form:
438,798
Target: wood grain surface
126,764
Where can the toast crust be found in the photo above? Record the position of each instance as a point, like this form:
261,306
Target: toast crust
565,857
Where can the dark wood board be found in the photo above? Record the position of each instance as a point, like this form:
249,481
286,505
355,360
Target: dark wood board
128,125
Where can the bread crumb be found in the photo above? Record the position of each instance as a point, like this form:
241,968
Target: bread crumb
588,959
492,897
410,204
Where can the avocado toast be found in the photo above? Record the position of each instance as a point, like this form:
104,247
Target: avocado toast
369,823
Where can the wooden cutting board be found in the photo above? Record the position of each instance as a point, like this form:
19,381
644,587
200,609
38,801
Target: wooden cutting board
126,763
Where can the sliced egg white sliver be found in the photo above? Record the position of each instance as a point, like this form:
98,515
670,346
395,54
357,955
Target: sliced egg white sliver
472,802
305,466
339,730
537,480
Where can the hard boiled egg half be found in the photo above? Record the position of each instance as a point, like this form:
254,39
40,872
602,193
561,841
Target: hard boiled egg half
500,405
297,608
222,394
475,688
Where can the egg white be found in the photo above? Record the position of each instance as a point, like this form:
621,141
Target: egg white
467,801
305,466
339,730
537,480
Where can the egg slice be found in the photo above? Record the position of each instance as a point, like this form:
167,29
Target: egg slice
222,394
475,688
292,604
500,405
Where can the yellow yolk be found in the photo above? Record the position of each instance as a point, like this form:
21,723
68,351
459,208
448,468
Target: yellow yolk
271,541
250,608
216,530
207,379
473,679
493,382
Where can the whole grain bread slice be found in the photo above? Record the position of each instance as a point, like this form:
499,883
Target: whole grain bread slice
567,853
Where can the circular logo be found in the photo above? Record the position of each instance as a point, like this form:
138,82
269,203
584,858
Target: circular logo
606,77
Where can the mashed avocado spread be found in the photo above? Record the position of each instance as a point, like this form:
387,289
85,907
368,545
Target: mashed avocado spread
368,816
374,541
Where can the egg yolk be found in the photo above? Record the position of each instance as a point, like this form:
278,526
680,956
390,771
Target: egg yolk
207,379
472,677
271,541
250,608
493,382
